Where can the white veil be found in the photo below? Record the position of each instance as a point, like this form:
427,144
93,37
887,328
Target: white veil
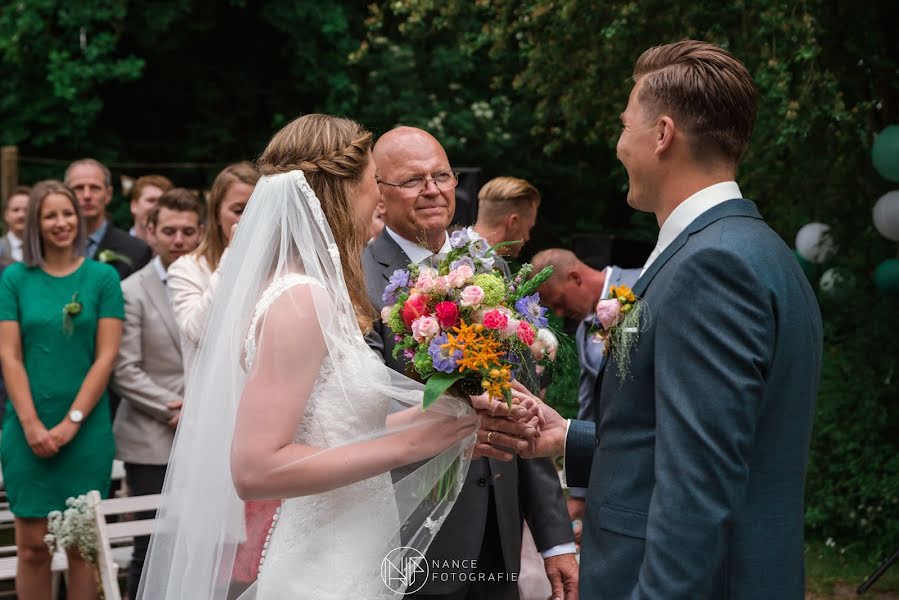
285,243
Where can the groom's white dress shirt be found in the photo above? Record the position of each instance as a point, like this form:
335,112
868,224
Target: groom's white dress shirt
687,211
680,218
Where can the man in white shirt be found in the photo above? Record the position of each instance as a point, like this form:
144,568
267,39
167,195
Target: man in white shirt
14,212
695,466
483,531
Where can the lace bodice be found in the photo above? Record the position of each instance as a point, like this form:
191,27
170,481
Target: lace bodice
315,533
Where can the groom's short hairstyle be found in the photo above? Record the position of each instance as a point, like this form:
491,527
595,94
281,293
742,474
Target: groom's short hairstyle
707,92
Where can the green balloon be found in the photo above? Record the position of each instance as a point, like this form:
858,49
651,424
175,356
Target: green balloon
885,153
886,276
809,268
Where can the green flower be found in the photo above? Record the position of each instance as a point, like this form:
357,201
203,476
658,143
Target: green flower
494,288
108,256
395,321
422,361
72,309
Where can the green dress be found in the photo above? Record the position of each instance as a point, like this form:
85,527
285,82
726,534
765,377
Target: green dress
57,358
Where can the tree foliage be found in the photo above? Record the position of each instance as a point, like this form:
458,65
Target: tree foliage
518,87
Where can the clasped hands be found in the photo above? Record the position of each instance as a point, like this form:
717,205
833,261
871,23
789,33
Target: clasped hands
527,427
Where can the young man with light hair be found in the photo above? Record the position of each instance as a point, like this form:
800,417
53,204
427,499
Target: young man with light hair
507,211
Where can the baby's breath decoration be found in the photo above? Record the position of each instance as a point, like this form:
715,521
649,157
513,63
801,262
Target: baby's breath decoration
70,310
75,527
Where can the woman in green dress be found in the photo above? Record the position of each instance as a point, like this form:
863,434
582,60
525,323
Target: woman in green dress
60,325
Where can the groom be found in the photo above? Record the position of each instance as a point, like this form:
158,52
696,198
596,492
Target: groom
485,526
696,462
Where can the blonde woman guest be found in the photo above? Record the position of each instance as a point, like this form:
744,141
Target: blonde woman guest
60,326
193,279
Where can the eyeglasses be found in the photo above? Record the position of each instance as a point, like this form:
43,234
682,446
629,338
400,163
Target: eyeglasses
445,181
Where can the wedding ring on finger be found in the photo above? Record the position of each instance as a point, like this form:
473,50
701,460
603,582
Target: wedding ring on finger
489,433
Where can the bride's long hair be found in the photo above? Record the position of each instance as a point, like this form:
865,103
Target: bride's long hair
333,152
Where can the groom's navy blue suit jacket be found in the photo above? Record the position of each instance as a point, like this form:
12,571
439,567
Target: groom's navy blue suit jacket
697,460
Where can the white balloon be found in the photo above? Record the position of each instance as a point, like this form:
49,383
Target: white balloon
886,215
814,242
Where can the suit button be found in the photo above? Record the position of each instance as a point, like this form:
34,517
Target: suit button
482,481
499,475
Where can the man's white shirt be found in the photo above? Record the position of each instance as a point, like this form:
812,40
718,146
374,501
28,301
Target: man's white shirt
415,252
687,211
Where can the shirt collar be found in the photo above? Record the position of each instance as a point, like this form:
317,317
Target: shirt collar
14,240
687,211
415,252
160,270
97,236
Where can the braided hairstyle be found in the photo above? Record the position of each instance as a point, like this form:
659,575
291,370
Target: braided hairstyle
333,153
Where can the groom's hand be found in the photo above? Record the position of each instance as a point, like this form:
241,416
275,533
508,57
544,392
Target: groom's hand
505,428
550,439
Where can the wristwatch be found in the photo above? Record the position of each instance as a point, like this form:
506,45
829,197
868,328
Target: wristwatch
76,416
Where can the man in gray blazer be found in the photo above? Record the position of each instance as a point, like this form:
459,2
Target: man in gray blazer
149,375
696,463
484,528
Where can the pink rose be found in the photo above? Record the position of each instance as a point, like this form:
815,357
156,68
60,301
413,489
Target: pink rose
424,328
426,281
385,312
460,276
472,296
441,285
416,306
447,314
608,313
511,329
526,333
495,320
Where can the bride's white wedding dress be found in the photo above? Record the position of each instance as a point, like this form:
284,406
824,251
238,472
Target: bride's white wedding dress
326,546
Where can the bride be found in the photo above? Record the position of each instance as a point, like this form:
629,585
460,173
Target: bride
286,401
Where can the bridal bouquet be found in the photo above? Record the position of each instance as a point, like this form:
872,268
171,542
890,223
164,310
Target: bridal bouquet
461,322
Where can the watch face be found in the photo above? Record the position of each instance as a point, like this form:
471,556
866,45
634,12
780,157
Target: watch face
76,416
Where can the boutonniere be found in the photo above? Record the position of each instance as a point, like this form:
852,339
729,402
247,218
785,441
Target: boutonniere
70,310
617,325
108,256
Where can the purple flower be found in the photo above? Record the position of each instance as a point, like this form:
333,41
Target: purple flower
530,308
443,362
478,247
465,260
459,238
399,279
486,264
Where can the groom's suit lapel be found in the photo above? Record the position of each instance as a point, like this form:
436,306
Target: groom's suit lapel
730,208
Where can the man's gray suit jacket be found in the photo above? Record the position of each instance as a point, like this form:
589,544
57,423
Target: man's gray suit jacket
522,488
